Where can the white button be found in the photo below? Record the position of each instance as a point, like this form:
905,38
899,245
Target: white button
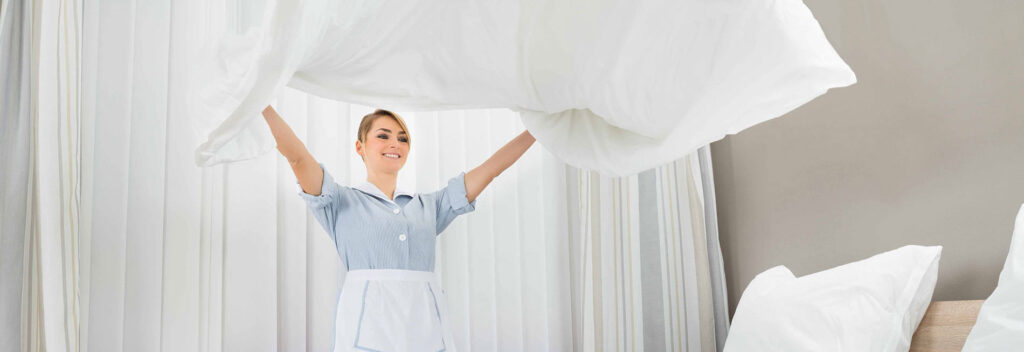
395,211
401,237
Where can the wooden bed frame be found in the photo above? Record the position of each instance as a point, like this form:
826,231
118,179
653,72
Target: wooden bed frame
945,326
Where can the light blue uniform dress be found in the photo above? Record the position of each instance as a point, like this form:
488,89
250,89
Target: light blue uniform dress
391,300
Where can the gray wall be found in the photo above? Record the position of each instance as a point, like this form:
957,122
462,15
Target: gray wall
928,148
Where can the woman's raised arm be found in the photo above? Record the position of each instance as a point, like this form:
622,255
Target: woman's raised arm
305,167
478,178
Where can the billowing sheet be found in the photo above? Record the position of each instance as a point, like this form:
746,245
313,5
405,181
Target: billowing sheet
618,86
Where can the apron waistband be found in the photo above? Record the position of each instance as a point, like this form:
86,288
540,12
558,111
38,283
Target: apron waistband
391,275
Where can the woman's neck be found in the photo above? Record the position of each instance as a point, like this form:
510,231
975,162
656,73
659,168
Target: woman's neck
384,182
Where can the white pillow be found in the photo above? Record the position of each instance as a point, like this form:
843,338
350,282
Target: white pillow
1000,325
871,305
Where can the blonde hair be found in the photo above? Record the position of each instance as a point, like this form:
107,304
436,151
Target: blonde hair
364,126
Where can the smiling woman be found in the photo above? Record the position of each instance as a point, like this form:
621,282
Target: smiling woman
388,147
391,299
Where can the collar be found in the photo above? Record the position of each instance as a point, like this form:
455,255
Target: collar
371,189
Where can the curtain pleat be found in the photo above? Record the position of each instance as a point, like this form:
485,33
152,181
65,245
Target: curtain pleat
183,186
15,159
45,89
719,294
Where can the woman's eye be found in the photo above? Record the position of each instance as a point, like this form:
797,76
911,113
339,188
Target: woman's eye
403,139
382,136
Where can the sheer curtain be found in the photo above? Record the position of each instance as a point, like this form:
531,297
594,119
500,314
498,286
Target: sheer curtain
39,155
15,136
646,266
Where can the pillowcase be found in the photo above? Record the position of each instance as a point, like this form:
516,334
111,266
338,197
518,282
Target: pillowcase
1000,324
871,305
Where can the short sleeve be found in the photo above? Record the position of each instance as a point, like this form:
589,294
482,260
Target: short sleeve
452,201
326,205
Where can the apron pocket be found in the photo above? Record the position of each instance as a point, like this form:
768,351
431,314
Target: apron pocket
399,316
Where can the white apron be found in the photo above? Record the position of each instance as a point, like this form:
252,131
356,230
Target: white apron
392,310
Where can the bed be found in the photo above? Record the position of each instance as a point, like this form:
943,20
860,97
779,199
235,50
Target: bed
945,326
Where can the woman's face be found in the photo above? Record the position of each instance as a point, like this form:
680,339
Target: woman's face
385,148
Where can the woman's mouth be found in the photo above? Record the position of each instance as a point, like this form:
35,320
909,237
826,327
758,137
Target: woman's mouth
391,155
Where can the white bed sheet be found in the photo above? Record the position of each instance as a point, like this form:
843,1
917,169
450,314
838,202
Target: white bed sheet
617,86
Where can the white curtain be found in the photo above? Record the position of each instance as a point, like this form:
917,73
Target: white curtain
39,154
646,263
15,136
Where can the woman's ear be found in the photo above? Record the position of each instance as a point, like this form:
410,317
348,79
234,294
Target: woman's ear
359,148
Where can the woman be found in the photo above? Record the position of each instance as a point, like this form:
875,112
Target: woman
391,299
